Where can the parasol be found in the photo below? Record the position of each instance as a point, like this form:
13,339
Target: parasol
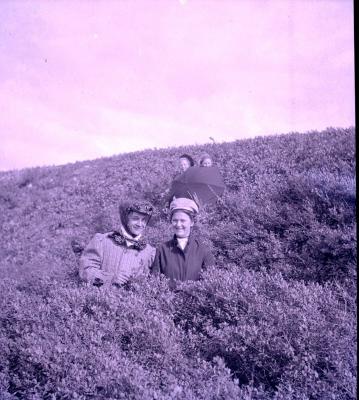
202,183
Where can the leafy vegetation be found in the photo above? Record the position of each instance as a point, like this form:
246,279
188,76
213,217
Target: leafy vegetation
275,319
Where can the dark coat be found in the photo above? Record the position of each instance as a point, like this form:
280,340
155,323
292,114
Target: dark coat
182,265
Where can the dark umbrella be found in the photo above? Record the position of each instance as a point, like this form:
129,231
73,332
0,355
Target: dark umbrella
202,183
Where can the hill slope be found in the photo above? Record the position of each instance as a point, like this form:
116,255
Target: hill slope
292,193
284,236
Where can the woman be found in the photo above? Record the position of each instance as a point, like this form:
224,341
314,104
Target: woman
115,257
183,257
205,160
186,161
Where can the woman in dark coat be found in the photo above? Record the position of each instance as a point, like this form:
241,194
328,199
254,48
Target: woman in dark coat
183,257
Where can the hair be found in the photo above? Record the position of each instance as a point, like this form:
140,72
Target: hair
203,157
189,158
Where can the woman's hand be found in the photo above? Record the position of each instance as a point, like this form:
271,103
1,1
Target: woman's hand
121,278
98,277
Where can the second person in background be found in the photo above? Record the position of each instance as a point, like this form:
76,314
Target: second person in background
186,161
205,160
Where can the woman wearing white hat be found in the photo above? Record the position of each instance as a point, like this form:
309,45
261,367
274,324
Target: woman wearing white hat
183,257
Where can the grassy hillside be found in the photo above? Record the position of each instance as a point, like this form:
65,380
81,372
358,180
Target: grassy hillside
274,320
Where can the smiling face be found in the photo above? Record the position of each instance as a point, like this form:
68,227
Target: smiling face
207,162
136,222
184,163
181,224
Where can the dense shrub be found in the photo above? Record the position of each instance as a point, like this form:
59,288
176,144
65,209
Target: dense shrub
303,226
274,320
289,337
91,343
236,333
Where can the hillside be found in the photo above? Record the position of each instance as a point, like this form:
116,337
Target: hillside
274,320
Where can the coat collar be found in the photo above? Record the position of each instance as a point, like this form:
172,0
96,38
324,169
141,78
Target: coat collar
119,239
174,241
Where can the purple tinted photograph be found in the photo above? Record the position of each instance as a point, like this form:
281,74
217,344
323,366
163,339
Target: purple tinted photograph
177,200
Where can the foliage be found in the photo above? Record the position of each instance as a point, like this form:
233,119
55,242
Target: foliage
273,333
274,320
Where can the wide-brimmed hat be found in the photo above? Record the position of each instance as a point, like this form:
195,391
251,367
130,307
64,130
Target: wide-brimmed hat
184,204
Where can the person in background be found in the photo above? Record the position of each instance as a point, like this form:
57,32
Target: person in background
186,161
205,160
184,256
115,257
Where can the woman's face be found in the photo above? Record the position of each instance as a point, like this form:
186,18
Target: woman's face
184,163
207,162
181,224
136,222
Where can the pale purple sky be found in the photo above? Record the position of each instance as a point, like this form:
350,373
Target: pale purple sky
86,79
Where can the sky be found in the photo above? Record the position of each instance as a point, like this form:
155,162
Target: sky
93,78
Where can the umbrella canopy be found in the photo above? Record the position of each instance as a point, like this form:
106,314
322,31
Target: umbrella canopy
202,183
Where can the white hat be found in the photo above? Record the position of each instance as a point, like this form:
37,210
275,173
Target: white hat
182,203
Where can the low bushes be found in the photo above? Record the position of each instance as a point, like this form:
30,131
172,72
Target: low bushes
89,343
275,319
235,334
303,226
289,337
